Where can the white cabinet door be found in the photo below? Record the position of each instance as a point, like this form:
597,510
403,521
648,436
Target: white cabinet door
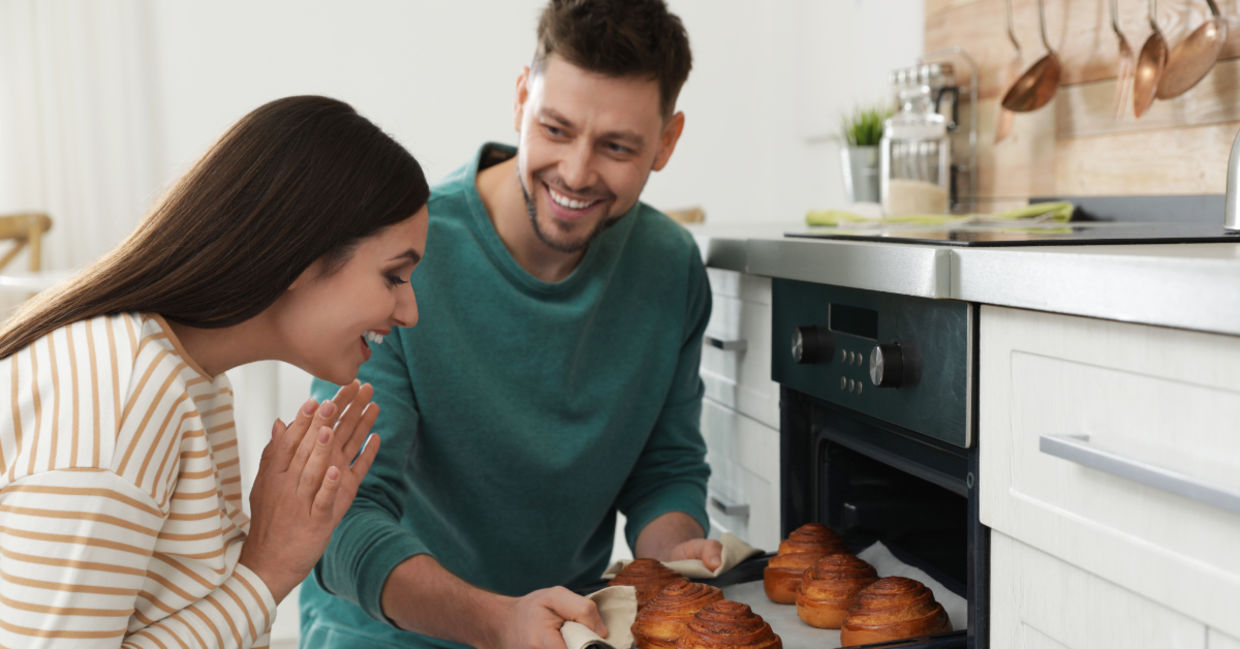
736,357
743,491
1038,601
1082,422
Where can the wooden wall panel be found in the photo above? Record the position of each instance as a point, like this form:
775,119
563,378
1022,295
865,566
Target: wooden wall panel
1075,146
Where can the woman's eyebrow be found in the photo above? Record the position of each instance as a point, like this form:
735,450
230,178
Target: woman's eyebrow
410,254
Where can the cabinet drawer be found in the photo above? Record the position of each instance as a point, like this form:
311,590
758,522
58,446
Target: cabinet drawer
1038,601
736,357
743,491
1151,403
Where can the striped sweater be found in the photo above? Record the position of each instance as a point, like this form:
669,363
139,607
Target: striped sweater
121,519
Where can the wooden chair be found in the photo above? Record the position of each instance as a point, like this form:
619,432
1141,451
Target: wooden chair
25,229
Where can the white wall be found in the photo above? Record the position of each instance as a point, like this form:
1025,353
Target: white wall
770,80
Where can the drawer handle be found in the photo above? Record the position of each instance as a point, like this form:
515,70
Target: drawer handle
725,345
1076,448
728,508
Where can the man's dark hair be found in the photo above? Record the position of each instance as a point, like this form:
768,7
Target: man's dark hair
618,38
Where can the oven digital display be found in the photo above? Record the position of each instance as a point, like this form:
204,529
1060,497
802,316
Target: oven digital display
854,320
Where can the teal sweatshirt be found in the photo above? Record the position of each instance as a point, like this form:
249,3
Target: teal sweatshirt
519,416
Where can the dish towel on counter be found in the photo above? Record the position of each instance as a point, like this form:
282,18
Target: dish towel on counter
1055,211
618,607
734,552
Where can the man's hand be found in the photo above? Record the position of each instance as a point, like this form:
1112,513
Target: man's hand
534,621
675,535
709,551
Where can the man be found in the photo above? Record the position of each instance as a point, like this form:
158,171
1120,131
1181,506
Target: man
555,380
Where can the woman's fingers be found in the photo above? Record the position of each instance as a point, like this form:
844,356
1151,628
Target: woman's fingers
361,431
325,498
347,427
316,465
325,416
289,439
367,457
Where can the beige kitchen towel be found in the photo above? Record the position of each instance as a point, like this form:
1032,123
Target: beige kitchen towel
734,552
618,607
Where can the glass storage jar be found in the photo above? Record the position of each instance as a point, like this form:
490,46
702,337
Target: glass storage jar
915,157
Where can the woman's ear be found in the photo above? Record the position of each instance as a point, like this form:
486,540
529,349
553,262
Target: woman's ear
312,271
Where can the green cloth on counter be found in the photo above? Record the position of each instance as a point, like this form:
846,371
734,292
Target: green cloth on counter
1057,211
519,416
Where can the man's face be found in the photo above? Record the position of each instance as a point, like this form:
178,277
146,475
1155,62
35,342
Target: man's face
587,144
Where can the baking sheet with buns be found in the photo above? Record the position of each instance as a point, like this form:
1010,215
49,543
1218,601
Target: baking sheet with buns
799,635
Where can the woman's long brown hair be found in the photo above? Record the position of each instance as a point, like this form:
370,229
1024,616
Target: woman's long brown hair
296,180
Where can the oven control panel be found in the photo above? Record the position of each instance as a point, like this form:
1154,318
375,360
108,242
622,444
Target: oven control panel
901,359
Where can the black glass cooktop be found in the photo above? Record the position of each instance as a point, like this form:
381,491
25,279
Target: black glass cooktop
1095,221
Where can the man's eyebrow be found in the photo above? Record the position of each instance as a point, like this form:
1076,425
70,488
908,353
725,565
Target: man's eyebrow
629,137
410,254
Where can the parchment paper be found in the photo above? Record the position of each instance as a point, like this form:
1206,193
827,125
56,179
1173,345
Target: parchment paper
796,634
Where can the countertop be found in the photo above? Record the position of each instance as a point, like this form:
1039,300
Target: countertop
1190,286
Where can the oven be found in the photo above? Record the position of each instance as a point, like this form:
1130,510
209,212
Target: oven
878,431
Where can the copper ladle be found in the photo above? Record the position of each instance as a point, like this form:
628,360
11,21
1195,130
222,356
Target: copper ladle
1123,74
1189,61
1037,85
1150,66
1003,124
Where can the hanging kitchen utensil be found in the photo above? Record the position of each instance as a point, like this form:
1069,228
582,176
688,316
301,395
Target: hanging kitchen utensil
1003,123
1125,69
1037,85
1150,65
1193,57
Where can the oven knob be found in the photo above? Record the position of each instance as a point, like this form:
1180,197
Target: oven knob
812,345
887,366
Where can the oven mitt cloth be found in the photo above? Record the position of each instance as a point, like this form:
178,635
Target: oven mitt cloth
734,552
618,607
1054,211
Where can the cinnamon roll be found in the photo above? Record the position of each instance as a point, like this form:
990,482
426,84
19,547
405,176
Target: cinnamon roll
829,588
728,625
893,608
804,546
662,620
648,576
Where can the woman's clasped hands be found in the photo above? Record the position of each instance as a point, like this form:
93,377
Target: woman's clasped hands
307,478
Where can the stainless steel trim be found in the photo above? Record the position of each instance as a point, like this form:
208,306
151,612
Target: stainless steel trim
726,345
727,507
1231,209
1076,449
921,271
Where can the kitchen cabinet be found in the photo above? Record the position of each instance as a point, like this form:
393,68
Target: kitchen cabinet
740,410
1040,602
1109,460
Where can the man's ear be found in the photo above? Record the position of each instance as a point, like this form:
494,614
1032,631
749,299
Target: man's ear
667,140
523,93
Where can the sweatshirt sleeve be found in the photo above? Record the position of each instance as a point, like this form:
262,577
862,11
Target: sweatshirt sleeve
75,545
671,472
370,541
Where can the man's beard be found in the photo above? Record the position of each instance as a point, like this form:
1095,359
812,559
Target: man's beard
531,208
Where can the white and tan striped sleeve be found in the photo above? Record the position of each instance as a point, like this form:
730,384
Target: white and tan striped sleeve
74,545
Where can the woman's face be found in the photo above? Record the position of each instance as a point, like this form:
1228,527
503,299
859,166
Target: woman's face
328,321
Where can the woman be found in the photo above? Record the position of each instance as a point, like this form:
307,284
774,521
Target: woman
120,513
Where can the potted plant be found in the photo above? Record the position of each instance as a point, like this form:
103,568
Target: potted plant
862,130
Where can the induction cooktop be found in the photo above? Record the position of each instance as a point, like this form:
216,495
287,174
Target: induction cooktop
1095,221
